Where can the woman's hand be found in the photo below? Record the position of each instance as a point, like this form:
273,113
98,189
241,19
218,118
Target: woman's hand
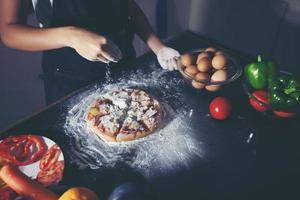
168,58
94,47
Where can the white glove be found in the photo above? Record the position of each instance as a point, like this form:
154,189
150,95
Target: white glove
168,58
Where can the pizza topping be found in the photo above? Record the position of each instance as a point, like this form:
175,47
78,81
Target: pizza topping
132,123
151,112
22,150
140,96
94,111
106,108
110,124
101,101
129,112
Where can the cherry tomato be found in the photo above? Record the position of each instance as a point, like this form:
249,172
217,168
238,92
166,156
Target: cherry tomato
260,100
220,108
283,114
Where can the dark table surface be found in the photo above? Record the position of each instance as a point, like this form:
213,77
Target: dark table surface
224,164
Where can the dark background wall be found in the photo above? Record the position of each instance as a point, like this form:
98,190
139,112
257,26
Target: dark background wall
268,27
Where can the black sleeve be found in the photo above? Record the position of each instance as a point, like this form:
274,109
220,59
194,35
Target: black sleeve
25,10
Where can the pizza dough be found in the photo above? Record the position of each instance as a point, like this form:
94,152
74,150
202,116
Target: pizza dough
124,115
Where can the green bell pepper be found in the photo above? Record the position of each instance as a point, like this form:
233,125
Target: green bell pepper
284,79
275,85
261,74
292,86
290,102
278,99
296,96
284,91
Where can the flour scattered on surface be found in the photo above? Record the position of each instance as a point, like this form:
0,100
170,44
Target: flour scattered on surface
172,147
191,113
250,138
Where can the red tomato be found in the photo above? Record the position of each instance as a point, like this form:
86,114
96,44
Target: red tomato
220,108
50,157
261,96
283,114
260,101
52,175
51,170
22,150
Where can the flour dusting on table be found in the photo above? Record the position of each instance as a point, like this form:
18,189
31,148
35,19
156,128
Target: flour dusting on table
171,148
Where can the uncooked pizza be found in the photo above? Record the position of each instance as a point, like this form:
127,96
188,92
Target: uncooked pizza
124,115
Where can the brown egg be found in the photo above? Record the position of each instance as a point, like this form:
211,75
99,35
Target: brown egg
204,64
211,49
197,85
213,88
191,70
220,75
219,53
219,61
186,59
202,55
200,77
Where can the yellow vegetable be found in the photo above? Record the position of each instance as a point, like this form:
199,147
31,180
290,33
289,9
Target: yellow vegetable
79,193
94,111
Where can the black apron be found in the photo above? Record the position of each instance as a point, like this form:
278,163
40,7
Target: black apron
63,69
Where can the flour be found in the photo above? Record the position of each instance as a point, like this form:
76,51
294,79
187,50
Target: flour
170,148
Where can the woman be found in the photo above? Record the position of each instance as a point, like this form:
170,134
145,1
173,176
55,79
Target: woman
78,38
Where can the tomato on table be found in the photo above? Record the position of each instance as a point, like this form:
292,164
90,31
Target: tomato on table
260,100
22,150
220,108
283,114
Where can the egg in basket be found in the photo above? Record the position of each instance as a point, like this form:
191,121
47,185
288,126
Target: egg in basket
209,69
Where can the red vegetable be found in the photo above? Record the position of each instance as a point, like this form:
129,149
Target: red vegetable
50,157
260,101
52,175
23,185
22,150
7,194
283,114
51,170
220,108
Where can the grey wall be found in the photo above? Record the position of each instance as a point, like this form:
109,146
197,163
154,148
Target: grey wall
178,19
267,27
